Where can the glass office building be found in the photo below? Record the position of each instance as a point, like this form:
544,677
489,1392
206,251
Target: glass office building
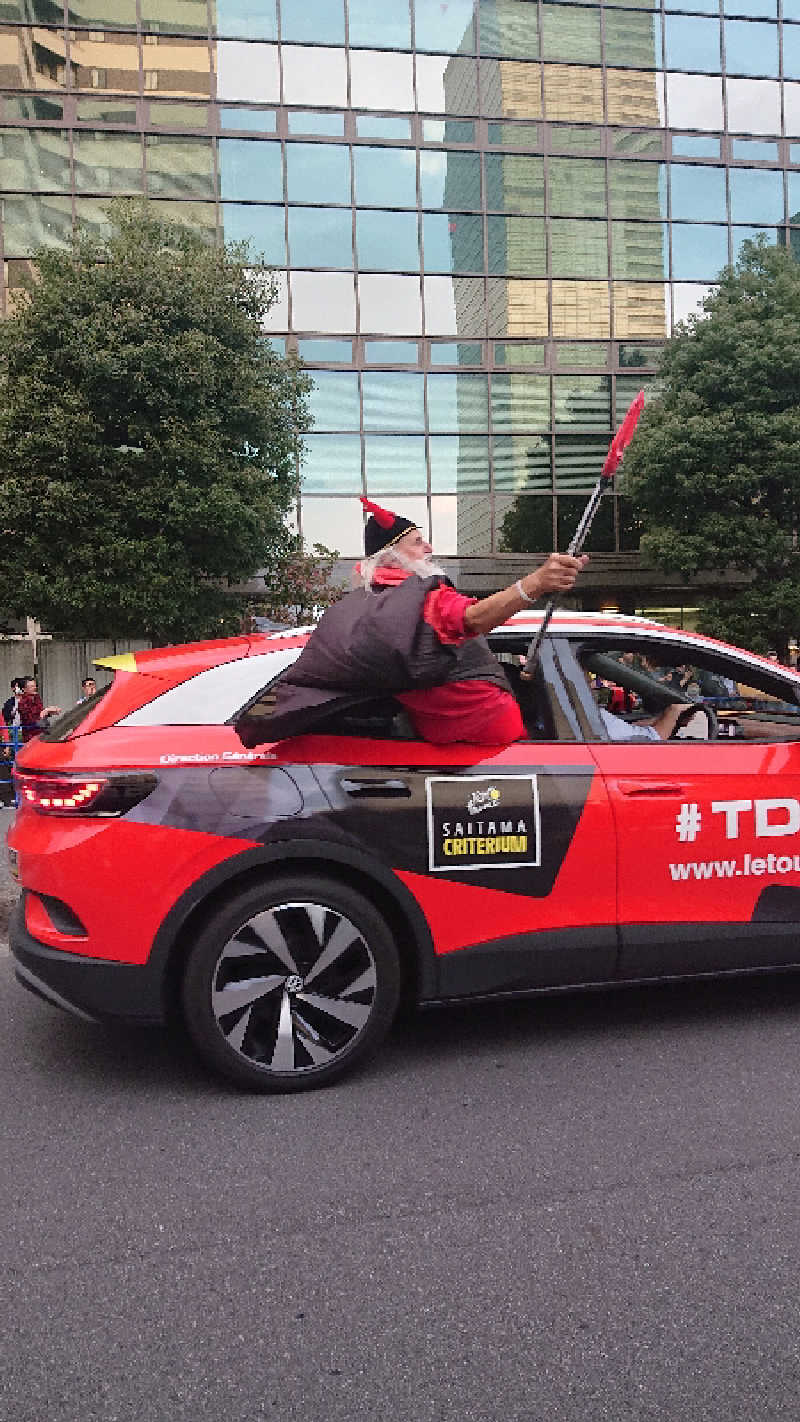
485,216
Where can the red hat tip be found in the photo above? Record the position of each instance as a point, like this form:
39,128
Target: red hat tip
381,516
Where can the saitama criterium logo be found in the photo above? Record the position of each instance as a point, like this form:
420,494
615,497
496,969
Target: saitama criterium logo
482,822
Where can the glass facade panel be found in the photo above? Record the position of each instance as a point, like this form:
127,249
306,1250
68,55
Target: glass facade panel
107,162
322,301
692,44
447,29
569,138
179,167
751,48
524,525
243,19
791,113
325,350
333,401
313,75
601,534
320,237
99,15
174,16
697,193
756,195
380,80
458,403
635,98
30,222
698,252
633,39
517,246
694,101
387,241
461,525
386,177
391,352
390,305
388,26
331,465
509,28
327,125
574,94
514,182
263,227
740,235
522,462
250,171
374,126
754,106
334,523
248,120
578,461
32,160
446,86
579,249
312,21
456,353
453,242
395,464
448,179
317,172
578,187
520,402
791,51
459,464
582,401
639,251
571,32
247,72
688,146
638,190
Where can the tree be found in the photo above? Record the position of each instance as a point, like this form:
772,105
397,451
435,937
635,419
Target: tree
298,586
714,470
148,434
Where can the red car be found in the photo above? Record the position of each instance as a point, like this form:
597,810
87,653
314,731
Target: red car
285,898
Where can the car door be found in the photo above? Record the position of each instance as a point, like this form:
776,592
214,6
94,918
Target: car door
507,851
708,834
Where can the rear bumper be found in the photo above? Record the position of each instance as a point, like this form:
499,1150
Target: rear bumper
91,988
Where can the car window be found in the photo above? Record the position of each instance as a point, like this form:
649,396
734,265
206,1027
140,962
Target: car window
216,695
750,702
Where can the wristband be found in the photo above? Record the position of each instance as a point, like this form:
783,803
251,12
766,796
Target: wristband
520,589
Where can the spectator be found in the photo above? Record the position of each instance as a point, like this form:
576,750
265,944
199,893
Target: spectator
10,710
33,715
88,688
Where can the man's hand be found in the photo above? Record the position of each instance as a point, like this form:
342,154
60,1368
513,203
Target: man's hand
556,575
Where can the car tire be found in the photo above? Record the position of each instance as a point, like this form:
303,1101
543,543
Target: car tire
291,984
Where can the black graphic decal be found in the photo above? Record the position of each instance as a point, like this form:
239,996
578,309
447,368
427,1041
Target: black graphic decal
483,822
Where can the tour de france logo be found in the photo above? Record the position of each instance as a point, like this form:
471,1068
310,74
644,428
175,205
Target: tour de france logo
482,822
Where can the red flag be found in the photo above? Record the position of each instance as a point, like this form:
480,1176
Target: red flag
623,437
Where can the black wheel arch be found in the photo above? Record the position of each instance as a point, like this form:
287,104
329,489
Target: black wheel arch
321,857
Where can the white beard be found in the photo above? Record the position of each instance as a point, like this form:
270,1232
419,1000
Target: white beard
364,571
421,567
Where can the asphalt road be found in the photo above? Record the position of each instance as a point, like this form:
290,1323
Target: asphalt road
564,1210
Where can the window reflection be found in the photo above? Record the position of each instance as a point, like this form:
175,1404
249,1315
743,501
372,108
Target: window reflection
277,318
393,400
525,524
694,101
395,464
578,186
243,19
571,32
312,21
32,159
753,106
331,464
320,237
173,16
248,72
740,235
579,249
102,16
517,307
640,310
458,402
323,301
390,305
582,401
517,246
751,47
178,67
633,39
573,93
520,402
333,400
197,217
454,306
450,27
387,241
756,195
687,300
179,167
578,461
509,28
452,242
449,179
318,172
692,44
461,525
335,523
446,85
569,138
326,350
373,126
326,125
263,227
107,162
698,252
521,462
639,251
388,26
30,222
601,534
637,98
698,192
250,170
314,76
386,177
687,146
514,182
248,120
791,110
391,352
637,190
456,353
381,81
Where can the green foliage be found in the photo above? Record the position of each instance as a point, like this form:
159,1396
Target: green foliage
298,586
714,470
148,434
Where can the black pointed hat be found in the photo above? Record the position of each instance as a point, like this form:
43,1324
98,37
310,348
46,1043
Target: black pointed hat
383,528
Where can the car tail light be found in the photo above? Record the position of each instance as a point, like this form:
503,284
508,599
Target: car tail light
104,794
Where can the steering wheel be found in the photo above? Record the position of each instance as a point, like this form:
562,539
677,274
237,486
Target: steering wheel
698,722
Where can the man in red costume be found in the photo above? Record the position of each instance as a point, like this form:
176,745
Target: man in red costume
406,632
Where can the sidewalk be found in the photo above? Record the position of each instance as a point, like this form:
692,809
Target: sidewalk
9,889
